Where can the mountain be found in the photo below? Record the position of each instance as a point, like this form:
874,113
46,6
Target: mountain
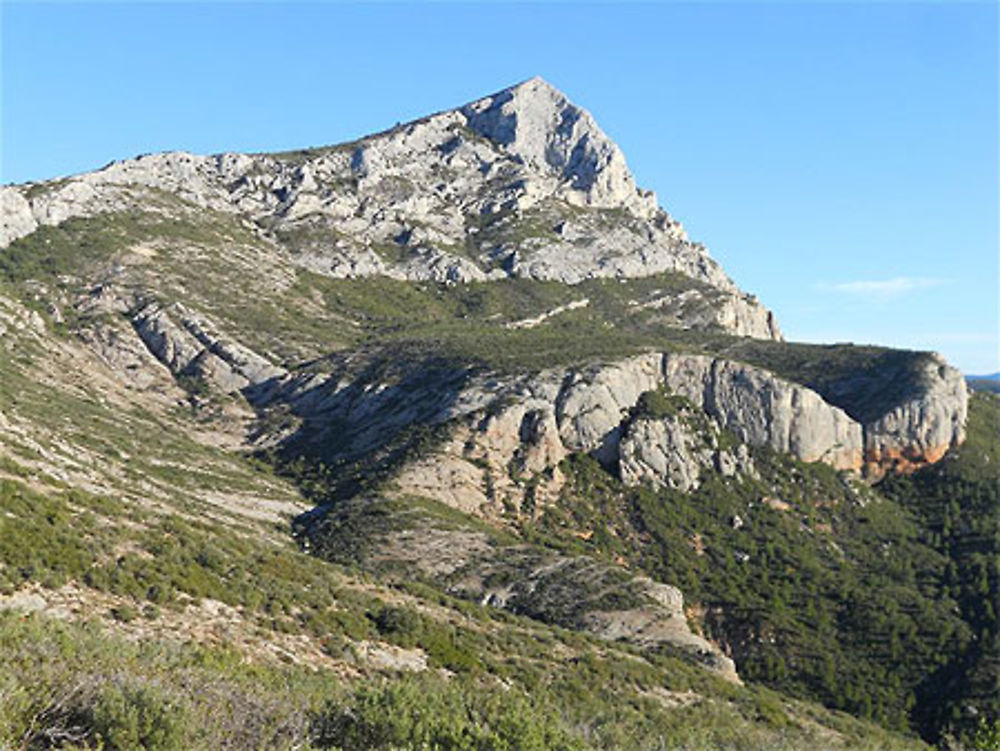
451,435
522,184
984,382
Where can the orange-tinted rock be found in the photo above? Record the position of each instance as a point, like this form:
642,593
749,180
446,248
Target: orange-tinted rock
920,429
904,462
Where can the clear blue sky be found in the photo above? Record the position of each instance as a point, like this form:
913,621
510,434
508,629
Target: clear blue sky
840,160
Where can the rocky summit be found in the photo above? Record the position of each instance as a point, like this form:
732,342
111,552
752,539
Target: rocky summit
521,184
459,400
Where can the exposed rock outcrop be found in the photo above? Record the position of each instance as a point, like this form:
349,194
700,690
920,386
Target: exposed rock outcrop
929,420
592,404
582,593
674,450
506,436
759,407
762,409
663,623
575,592
538,124
522,183
192,347
662,452
16,219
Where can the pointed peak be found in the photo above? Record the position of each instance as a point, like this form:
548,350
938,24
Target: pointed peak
535,83
539,124
535,80
535,120
530,109
534,89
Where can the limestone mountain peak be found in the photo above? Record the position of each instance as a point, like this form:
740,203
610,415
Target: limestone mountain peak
521,183
505,375
537,122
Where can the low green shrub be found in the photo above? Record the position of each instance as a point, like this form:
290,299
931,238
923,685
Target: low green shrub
425,713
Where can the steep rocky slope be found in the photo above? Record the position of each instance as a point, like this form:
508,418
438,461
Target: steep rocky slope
520,184
495,428
469,356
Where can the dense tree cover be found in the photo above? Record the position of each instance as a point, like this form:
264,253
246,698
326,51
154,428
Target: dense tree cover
957,503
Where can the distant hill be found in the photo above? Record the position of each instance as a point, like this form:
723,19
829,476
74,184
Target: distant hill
989,382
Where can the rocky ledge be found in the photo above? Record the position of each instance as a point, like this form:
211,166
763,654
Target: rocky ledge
660,418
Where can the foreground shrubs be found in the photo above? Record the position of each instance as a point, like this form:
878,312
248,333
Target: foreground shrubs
426,713
73,686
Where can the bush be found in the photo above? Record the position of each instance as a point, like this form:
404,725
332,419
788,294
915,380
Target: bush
428,713
134,717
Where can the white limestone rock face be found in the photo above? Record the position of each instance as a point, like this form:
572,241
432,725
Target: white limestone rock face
593,403
929,421
733,312
508,435
762,409
127,356
483,467
16,218
446,477
742,315
200,180
522,183
663,452
190,346
170,343
759,407
506,431
537,123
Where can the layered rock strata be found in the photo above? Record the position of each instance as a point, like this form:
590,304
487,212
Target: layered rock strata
190,346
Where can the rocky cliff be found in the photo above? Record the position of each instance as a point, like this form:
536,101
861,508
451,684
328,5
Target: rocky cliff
503,428
928,421
520,184
501,431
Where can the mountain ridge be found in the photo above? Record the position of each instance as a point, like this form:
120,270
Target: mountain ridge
468,358
523,219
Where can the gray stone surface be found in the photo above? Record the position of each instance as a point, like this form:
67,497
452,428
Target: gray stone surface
522,183
507,430
929,420
763,409
189,345
664,452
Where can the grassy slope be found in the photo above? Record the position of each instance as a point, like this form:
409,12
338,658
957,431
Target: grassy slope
294,316
82,678
167,556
